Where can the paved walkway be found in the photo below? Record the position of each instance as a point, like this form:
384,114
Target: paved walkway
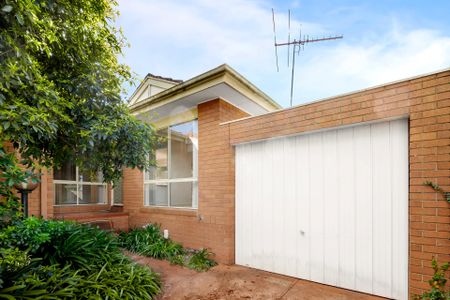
236,282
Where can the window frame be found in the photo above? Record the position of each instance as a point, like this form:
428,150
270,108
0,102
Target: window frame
79,184
168,180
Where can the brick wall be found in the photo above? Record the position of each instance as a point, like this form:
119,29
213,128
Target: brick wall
212,224
426,101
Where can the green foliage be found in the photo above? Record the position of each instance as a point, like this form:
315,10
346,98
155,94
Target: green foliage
70,261
437,283
60,86
13,259
179,259
438,189
149,241
43,282
201,261
120,281
58,242
10,174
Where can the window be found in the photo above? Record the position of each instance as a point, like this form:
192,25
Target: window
117,192
73,187
172,182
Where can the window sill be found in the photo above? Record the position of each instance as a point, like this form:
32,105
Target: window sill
81,204
188,212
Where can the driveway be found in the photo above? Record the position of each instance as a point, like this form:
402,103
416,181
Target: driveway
236,282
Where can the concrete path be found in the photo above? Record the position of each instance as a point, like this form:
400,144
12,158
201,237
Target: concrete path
236,282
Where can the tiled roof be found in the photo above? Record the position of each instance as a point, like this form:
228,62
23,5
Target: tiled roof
164,78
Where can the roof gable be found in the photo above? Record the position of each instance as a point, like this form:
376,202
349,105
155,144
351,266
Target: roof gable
150,86
222,82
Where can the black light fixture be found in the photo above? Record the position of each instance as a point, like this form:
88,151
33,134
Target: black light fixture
25,188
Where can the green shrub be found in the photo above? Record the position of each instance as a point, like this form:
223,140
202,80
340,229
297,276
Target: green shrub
83,246
13,259
120,281
201,261
66,260
179,259
62,242
43,282
29,234
149,241
437,283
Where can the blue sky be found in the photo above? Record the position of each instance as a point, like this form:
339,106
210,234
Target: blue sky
383,41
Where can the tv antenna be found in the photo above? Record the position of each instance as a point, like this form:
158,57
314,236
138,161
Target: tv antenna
297,46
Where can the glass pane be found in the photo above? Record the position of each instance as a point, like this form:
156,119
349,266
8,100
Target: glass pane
65,194
87,176
66,172
159,158
183,194
156,194
183,149
92,194
117,193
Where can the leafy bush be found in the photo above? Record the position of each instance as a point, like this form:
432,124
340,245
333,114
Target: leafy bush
62,242
437,283
200,260
70,261
120,281
43,282
149,241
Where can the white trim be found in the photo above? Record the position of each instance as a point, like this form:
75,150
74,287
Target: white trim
79,185
173,180
167,181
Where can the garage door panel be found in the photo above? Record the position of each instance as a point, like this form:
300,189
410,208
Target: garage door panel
267,225
399,146
303,206
363,196
382,210
279,201
329,207
316,230
347,214
290,209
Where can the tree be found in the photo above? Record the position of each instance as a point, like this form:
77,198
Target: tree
60,87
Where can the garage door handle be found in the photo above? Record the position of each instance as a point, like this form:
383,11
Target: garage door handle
302,232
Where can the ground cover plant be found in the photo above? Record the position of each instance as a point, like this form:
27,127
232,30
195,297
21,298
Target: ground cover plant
47,259
149,241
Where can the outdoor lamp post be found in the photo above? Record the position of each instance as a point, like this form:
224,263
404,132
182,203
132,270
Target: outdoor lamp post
24,189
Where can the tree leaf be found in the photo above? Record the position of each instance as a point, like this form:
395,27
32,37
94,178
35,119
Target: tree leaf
7,8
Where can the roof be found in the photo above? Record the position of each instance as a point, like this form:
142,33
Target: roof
164,78
223,76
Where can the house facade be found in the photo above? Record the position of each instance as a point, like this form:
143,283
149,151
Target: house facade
330,191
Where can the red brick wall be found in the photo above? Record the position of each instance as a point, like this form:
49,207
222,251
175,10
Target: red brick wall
212,224
426,101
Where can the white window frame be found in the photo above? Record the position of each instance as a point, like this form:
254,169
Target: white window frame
79,184
168,180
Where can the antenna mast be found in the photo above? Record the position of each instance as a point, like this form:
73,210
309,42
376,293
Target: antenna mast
298,45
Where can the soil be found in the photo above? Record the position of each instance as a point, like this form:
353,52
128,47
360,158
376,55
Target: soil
237,282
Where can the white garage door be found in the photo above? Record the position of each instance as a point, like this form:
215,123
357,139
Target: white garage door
330,207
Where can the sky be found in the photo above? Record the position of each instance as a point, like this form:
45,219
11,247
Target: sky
384,41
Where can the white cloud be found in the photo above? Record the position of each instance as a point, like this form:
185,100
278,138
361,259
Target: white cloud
182,39
396,55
